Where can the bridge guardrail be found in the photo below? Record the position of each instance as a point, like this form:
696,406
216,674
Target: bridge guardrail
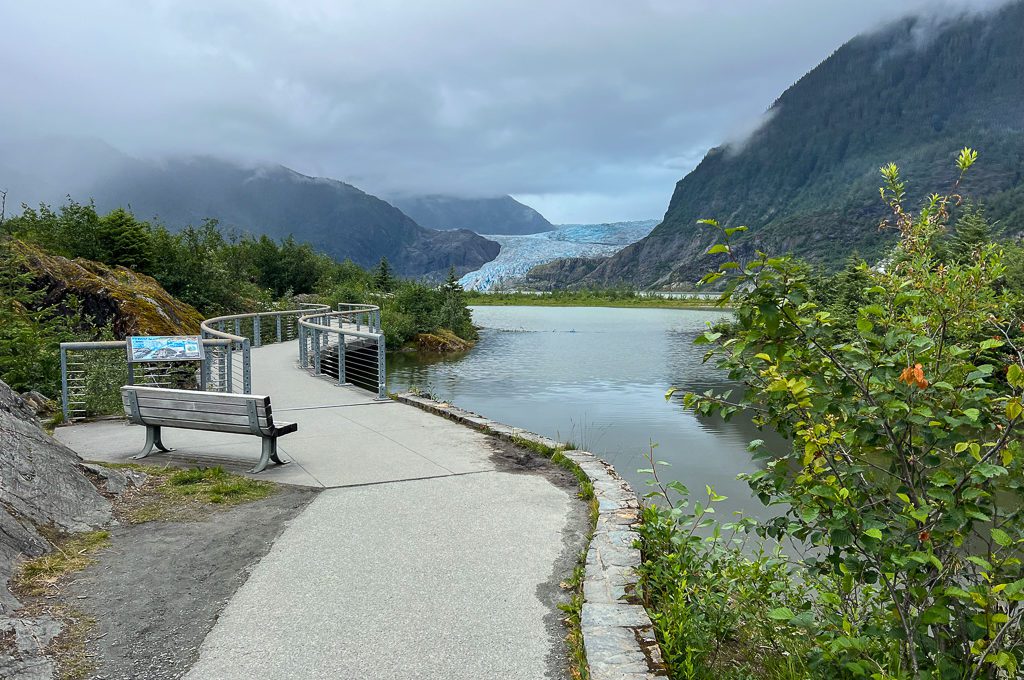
346,345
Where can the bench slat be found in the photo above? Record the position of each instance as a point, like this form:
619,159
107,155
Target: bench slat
149,413
199,425
202,406
197,396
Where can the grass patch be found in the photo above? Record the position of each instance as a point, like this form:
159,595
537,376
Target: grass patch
72,553
173,494
214,485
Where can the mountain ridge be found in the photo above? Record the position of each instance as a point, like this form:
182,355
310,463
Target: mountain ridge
502,215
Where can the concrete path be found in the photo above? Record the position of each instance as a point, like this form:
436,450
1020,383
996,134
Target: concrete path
421,559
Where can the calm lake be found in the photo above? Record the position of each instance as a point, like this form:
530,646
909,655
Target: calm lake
597,377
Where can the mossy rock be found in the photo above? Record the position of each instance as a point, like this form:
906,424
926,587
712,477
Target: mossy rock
442,341
127,302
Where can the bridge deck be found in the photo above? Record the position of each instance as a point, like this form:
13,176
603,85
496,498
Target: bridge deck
452,573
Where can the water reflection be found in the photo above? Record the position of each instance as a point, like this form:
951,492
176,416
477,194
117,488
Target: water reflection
597,377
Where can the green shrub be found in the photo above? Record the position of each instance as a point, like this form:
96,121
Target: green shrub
905,474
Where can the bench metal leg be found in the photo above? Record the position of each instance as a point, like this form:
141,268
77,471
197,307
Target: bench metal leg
152,439
269,454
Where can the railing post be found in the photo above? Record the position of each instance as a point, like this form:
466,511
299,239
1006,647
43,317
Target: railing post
238,326
303,359
205,369
229,369
279,328
316,351
382,378
256,340
64,382
246,368
341,357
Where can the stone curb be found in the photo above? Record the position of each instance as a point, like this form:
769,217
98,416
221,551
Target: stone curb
617,632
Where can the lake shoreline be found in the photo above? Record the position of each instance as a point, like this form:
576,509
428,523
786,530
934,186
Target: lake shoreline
540,300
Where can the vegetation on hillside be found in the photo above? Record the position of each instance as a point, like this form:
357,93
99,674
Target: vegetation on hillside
204,267
900,388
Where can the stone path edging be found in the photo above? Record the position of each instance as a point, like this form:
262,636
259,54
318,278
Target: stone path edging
617,632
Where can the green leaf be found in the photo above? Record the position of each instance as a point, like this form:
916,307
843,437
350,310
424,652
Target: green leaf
972,413
864,326
874,533
990,344
1015,375
781,614
718,248
1001,537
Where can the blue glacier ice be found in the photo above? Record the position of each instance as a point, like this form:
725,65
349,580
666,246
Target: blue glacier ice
520,254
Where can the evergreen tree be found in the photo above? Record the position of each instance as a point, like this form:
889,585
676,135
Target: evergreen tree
383,279
125,241
972,232
451,284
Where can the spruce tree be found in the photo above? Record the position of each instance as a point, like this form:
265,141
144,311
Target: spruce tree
383,279
125,241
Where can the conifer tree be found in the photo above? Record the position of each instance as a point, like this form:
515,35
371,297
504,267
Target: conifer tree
383,279
125,241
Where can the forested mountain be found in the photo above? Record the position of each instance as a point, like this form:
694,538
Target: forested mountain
499,215
806,181
334,217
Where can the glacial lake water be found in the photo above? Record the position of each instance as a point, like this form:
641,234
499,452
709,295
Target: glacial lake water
598,377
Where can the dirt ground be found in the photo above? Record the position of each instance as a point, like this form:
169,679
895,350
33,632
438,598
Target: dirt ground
158,589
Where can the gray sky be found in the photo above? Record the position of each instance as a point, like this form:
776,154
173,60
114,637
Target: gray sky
589,110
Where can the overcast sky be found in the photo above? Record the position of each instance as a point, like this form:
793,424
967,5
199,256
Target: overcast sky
589,110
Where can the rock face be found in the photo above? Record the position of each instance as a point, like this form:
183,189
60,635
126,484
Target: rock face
41,484
130,303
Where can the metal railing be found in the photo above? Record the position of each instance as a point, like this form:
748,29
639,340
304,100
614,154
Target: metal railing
92,374
346,345
245,331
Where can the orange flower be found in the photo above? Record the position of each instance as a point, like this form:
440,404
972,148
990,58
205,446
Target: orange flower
914,375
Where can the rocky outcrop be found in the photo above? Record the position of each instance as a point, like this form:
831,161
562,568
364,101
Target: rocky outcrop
41,485
560,274
125,301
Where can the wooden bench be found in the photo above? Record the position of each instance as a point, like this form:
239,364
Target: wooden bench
156,407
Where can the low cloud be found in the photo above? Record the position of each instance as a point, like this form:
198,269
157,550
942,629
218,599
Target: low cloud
586,107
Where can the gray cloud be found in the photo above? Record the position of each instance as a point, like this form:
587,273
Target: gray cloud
588,110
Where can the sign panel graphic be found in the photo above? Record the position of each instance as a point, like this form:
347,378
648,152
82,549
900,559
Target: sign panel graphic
164,348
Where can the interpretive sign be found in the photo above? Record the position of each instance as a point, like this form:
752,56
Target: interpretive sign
143,348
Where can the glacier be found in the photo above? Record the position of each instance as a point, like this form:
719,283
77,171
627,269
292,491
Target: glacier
520,254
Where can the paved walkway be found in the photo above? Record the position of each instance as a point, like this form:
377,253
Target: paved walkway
421,559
